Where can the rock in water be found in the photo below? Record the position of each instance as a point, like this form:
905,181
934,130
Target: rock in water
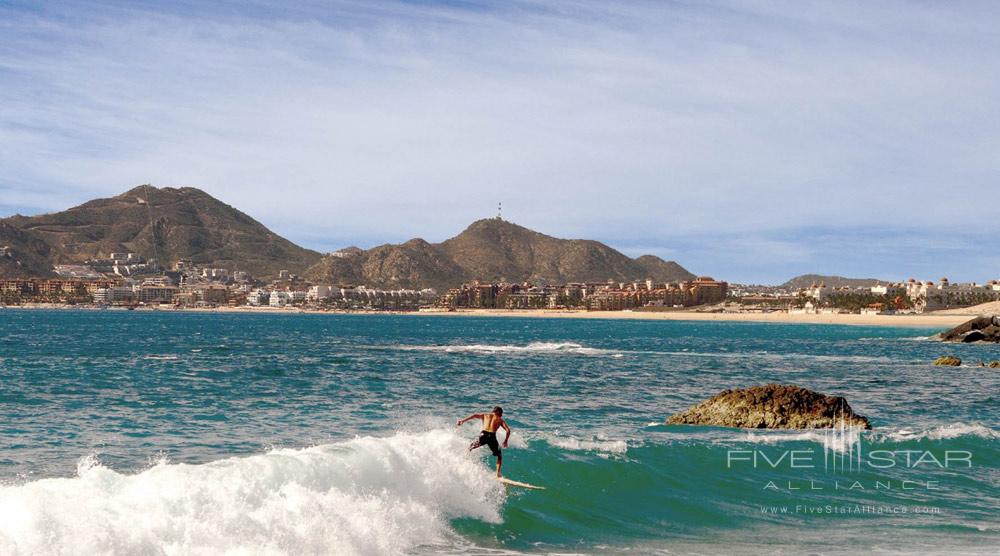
979,329
995,364
948,361
774,406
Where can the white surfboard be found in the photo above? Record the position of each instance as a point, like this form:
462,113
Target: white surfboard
509,482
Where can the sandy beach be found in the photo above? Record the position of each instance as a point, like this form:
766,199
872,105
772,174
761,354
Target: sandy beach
915,321
930,320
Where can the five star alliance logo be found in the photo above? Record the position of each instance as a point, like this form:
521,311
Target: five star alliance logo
844,453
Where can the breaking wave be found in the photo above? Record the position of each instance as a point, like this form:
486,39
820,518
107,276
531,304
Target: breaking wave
579,349
836,440
763,355
844,440
363,496
595,444
943,432
534,347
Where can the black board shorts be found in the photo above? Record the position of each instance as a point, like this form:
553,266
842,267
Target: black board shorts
488,439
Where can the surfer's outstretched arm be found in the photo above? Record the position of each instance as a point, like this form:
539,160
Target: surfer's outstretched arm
506,428
469,418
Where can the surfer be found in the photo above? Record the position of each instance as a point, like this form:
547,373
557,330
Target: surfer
491,422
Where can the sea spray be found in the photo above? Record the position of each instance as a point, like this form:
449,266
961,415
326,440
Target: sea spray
363,496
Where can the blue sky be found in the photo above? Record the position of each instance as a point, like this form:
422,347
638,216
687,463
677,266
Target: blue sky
747,140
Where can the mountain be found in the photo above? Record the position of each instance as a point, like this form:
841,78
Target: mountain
490,249
806,280
168,224
165,224
23,254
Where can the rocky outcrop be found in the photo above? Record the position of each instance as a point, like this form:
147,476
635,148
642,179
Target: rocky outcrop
979,329
994,364
774,406
948,361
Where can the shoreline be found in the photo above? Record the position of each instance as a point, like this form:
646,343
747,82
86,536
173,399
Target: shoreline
905,321
930,320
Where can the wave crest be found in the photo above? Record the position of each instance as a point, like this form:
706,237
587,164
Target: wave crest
843,440
363,496
943,432
835,440
533,347
599,445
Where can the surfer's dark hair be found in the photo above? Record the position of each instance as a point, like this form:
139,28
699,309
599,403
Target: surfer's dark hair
498,410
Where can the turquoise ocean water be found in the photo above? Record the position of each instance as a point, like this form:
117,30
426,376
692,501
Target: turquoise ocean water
179,433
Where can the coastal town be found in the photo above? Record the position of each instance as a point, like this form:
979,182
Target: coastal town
128,280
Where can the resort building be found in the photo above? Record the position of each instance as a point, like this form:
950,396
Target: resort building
258,297
817,292
593,296
279,299
114,294
316,293
153,292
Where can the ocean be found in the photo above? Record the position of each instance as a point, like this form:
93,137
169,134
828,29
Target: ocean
210,433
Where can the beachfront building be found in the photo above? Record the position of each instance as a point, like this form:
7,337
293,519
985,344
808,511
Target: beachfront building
931,296
258,297
362,297
530,298
114,294
888,289
818,292
19,286
154,292
317,293
809,308
57,287
705,290
946,295
50,289
475,295
202,294
279,299
610,296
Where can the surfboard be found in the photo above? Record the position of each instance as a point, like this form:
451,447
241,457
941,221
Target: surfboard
509,482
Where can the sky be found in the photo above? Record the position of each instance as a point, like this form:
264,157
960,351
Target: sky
750,141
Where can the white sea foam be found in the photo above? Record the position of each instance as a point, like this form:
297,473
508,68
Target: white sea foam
575,348
836,440
363,496
598,443
902,339
845,440
954,430
591,445
764,355
534,347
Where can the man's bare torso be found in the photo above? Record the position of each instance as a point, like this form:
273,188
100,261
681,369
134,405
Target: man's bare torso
491,422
